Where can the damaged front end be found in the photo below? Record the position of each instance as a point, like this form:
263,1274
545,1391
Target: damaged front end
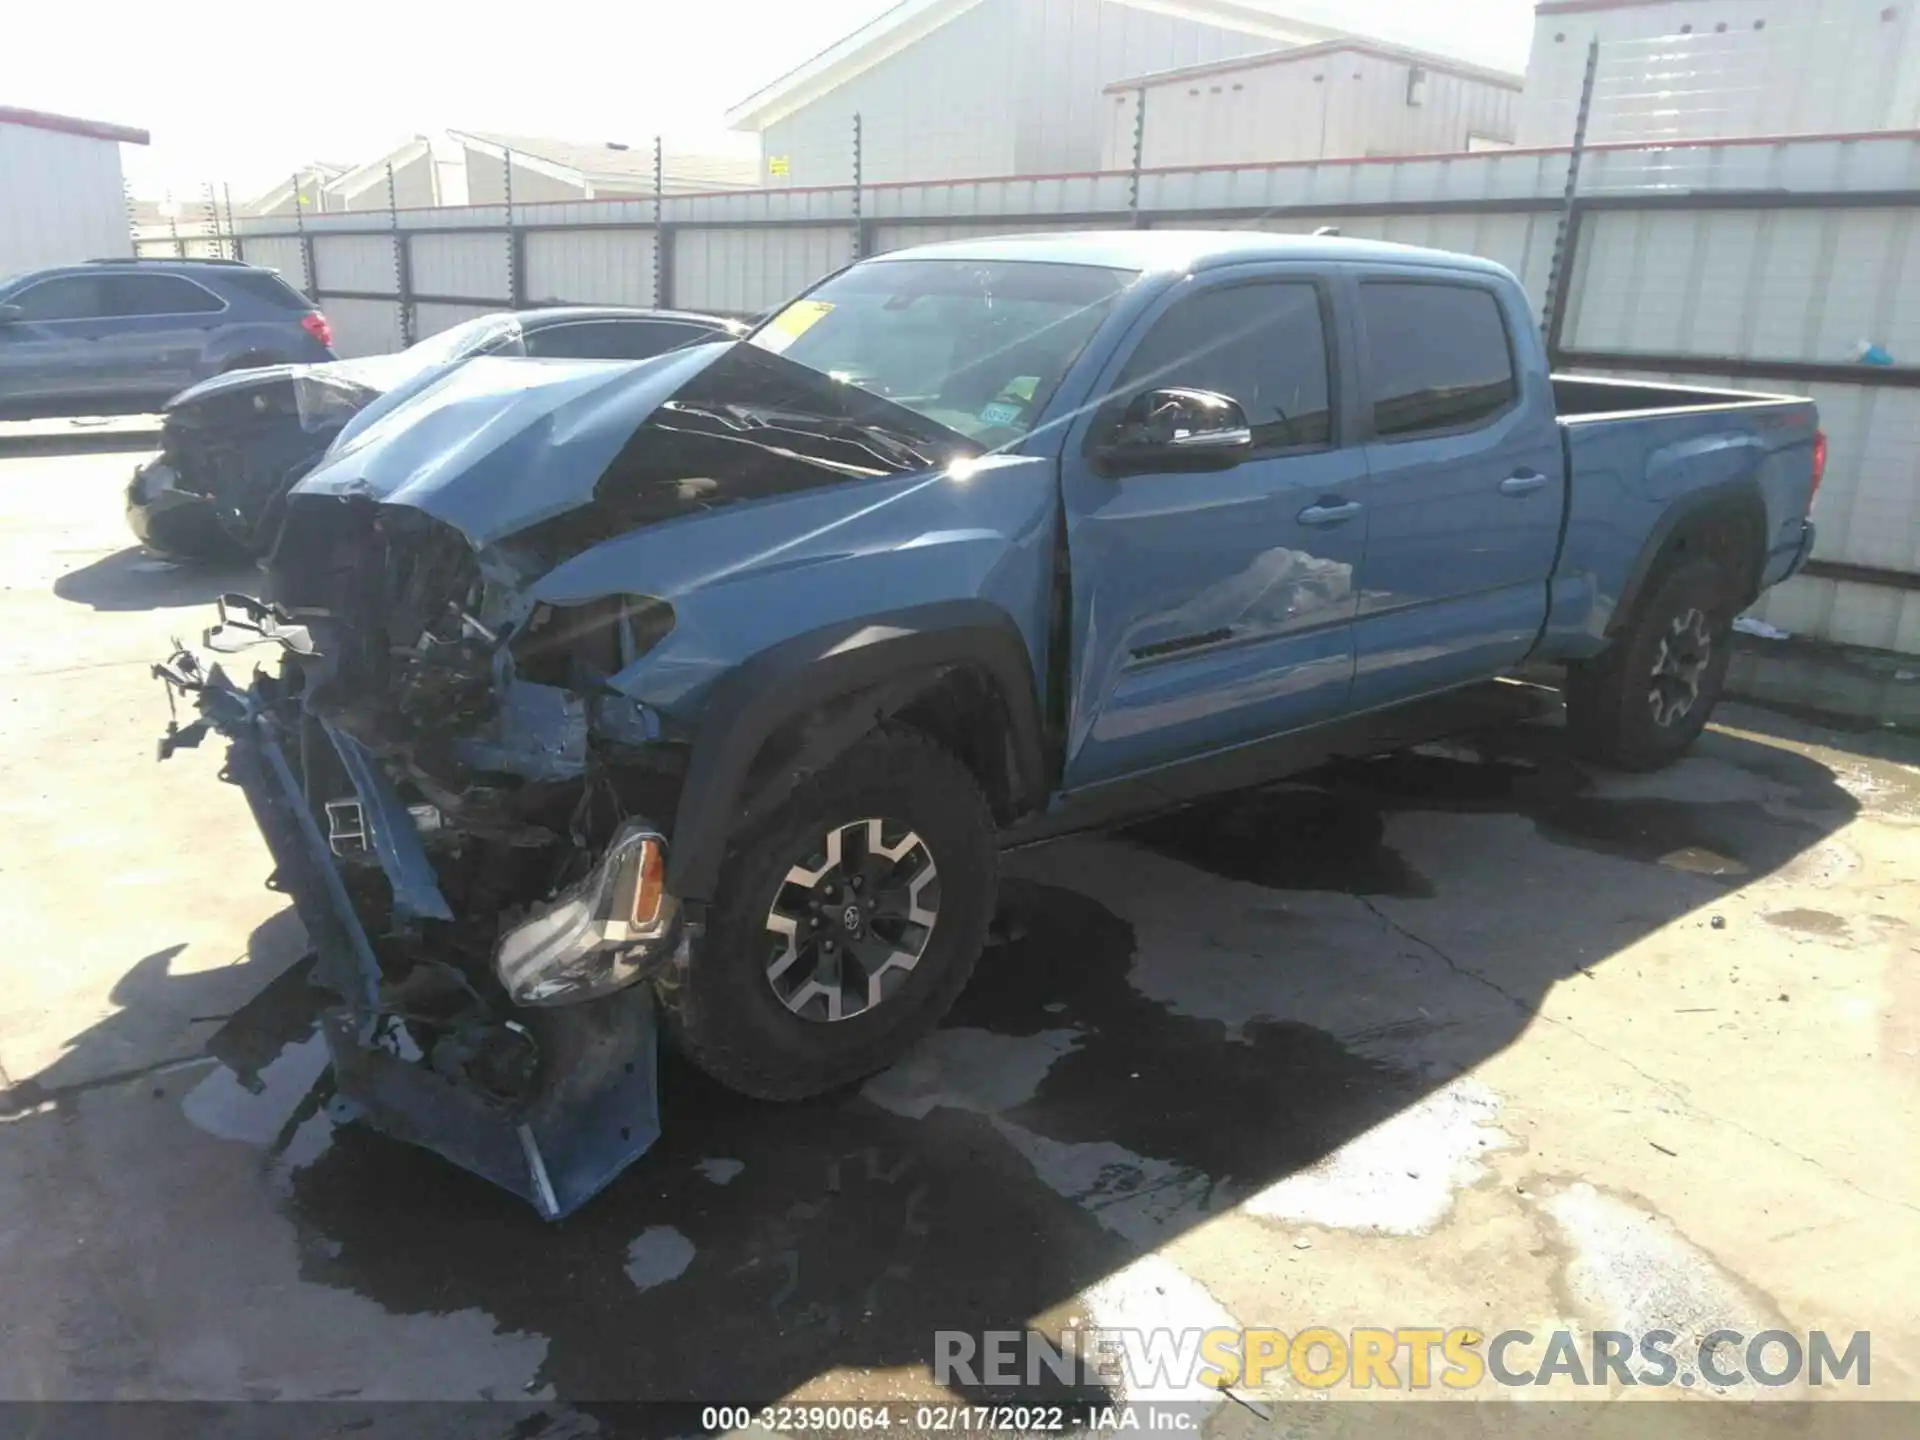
469,849
492,630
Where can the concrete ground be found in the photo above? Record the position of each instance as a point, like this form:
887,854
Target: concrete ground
1468,1037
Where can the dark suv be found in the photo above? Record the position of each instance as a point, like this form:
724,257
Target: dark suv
121,336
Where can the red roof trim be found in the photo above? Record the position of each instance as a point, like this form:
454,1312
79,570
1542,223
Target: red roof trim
1575,7
71,125
1405,55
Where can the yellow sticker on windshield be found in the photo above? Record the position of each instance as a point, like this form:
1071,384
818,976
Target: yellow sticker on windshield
791,323
1021,387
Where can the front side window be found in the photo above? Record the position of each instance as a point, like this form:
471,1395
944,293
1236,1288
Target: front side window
978,346
158,295
1438,355
1263,345
67,297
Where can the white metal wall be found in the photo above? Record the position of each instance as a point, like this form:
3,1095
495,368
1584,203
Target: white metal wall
1344,104
611,267
282,253
363,327
1759,284
354,262
750,270
463,264
61,199
1731,67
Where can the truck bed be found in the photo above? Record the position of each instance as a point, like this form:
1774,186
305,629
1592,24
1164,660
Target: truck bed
1637,454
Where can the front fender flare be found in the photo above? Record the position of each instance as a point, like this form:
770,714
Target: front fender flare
875,653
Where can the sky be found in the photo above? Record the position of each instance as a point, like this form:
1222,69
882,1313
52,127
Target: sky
242,95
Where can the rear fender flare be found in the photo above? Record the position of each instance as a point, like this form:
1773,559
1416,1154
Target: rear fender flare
876,663
1739,499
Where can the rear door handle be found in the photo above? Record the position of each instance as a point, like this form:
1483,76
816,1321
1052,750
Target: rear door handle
1525,482
1329,514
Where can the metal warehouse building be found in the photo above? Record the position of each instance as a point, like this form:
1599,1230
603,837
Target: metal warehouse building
947,89
1715,69
1343,99
62,197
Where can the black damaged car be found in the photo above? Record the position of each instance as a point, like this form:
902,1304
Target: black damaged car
233,446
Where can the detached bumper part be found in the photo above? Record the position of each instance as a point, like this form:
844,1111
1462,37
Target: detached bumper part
592,1108
600,936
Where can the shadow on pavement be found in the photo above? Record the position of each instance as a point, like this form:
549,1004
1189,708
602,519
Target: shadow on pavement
135,579
1061,1125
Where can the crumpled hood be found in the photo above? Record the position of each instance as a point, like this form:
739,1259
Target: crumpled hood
237,380
559,456
496,444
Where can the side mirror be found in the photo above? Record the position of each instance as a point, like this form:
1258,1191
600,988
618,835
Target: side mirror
1178,429
9,314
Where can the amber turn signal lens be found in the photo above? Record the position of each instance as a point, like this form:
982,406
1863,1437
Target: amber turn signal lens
650,885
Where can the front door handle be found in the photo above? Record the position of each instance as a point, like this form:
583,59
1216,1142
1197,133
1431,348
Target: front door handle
1329,514
1523,482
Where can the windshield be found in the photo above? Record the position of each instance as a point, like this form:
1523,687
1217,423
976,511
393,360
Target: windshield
978,346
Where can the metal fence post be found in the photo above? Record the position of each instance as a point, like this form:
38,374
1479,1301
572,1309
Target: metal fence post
1566,237
308,273
1139,153
173,226
233,230
663,233
211,210
861,241
516,240
402,263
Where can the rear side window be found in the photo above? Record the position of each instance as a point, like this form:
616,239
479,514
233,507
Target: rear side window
265,286
1263,345
612,339
67,297
158,295
1438,355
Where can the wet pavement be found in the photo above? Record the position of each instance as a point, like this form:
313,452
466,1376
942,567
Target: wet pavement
1468,1035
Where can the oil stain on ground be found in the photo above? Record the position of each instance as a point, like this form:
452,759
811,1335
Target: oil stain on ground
843,1233
1327,831
847,1234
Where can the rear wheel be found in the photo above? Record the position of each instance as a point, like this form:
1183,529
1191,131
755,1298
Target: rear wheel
1640,705
844,926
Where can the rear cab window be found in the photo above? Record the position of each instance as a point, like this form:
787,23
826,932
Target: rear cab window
1439,358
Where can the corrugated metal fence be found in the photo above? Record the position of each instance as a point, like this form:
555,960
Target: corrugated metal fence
1760,263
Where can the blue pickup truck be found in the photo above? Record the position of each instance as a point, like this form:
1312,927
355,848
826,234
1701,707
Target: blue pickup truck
716,682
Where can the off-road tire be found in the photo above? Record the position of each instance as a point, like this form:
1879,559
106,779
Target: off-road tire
721,1009
1610,706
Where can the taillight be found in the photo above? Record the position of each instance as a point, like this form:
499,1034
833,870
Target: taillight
315,324
1819,462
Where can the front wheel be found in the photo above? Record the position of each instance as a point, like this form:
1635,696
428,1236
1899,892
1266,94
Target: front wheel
1640,705
844,926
